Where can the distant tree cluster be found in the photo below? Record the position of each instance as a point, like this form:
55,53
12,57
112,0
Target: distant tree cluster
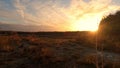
110,24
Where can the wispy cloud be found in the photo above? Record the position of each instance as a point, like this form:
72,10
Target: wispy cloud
20,8
89,12
51,13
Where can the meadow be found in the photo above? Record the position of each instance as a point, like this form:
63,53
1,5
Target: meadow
58,50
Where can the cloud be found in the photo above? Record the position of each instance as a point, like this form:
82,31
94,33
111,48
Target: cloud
43,13
79,8
88,14
7,14
51,13
20,8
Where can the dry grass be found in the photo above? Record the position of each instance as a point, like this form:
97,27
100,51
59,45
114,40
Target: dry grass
48,52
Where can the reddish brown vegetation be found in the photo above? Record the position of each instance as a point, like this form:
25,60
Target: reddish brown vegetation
75,50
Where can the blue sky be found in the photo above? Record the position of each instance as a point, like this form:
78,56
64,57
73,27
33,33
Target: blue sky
47,12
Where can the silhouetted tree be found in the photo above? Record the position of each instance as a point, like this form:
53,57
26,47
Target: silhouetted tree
111,24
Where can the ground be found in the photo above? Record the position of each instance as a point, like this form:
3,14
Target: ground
57,50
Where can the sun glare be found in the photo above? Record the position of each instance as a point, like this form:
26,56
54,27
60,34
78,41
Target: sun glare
87,23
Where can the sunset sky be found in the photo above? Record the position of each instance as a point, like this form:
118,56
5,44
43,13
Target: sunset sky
57,15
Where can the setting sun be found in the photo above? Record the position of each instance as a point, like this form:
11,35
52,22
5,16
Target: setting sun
87,23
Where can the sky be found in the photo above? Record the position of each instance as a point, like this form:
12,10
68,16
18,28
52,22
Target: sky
57,15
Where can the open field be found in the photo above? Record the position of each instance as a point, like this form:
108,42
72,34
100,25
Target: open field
58,50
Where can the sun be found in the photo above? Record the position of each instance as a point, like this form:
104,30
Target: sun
87,23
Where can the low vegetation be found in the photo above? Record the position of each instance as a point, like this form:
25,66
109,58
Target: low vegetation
75,50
